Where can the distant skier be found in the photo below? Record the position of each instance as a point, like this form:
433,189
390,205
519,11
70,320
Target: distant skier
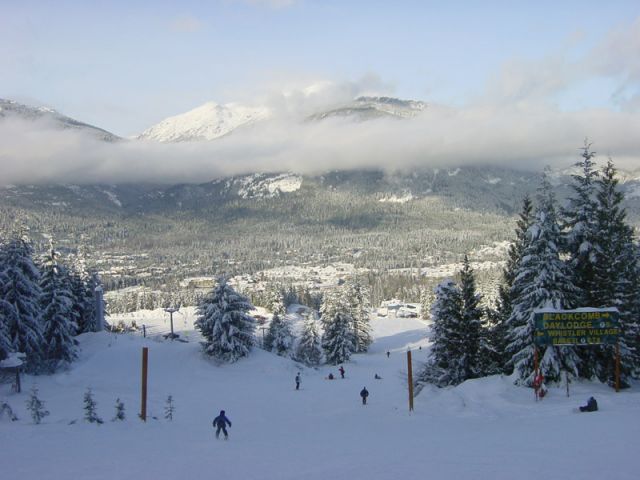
377,377
591,406
330,377
364,393
341,370
388,353
220,423
298,381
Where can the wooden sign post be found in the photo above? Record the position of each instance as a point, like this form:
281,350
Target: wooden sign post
145,364
410,379
618,367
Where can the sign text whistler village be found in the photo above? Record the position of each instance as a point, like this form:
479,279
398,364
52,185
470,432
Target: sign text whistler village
576,327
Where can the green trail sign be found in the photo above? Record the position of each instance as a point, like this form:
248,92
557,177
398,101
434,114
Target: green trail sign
584,326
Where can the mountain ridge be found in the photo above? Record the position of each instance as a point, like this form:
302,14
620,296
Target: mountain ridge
11,109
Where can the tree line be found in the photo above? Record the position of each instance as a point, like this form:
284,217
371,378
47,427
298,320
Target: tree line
44,304
229,331
581,255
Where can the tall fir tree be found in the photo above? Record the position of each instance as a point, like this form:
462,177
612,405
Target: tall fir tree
83,285
337,340
616,282
6,310
223,321
360,307
504,307
20,290
309,349
541,281
580,236
472,324
444,366
57,314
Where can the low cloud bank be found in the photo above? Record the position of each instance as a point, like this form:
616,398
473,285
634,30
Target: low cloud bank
519,137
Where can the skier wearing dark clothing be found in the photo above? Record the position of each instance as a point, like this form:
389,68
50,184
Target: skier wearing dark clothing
364,393
298,382
591,406
341,370
221,422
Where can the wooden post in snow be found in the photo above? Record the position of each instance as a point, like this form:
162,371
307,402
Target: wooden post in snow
410,379
618,366
145,364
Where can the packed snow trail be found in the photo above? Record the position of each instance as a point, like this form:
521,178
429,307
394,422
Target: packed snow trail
484,428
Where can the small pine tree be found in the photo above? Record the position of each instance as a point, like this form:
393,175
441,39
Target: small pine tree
5,409
309,349
169,408
119,411
36,406
90,414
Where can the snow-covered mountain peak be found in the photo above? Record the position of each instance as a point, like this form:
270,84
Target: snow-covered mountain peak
368,108
206,122
10,109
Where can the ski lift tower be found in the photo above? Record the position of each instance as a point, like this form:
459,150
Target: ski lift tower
171,311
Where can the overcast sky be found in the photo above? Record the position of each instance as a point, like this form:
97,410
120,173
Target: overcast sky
504,79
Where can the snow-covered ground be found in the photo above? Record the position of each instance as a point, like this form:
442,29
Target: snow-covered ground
483,429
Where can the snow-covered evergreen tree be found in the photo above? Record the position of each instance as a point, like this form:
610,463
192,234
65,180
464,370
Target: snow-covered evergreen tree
427,299
444,366
279,338
223,321
479,353
90,413
542,280
472,324
83,285
504,306
309,349
337,341
20,290
275,301
580,231
615,279
36,406
358,296
57,314
120,415
6,310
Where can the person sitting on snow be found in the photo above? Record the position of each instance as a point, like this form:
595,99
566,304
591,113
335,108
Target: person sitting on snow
591,406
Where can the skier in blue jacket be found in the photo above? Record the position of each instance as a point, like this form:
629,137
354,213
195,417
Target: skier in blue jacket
221,422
